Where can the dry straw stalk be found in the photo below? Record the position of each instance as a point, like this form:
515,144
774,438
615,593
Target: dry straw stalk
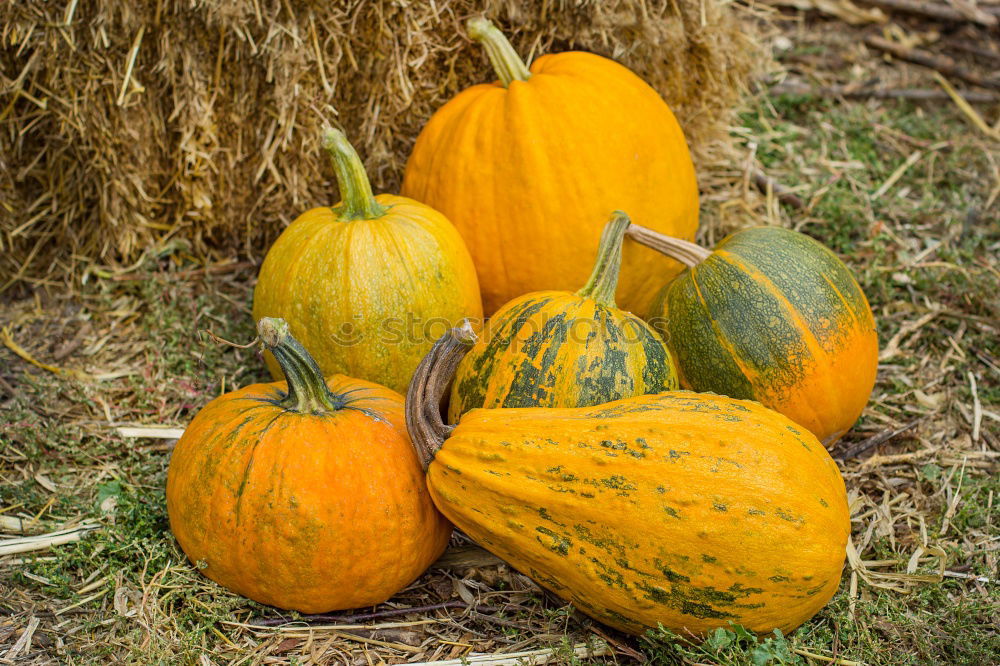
190,127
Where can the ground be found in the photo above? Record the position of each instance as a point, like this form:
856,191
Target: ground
921,584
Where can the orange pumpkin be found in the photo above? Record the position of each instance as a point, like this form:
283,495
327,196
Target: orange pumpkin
528,169
368,284
306,495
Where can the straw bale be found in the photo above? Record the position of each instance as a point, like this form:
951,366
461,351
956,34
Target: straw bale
138,128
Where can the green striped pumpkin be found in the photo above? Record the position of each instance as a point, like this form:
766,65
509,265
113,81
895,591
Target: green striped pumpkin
774,316
564,349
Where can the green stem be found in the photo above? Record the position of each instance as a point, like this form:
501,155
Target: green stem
307,389
358,203
506,63
604,279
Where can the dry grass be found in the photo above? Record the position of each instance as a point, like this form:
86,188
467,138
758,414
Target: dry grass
922,582
191,127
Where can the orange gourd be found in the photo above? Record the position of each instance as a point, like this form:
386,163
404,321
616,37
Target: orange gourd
306,495
529,168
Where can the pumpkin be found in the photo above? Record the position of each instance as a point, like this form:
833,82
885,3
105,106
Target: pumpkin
565,349
774,316
364,283
682,509
529,167
305,495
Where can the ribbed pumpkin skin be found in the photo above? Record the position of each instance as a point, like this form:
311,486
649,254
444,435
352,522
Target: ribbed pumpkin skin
529,173
557,349
683,509
300,511
774,316
360,294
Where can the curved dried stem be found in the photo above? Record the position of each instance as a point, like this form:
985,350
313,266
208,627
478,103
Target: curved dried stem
430,381
686,252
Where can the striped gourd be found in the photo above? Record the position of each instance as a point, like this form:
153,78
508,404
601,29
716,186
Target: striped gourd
683,509
565,349
771,315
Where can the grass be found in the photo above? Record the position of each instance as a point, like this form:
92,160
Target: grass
927,246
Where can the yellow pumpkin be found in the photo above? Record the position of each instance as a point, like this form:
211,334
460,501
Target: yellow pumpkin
529,168
682,509
370,283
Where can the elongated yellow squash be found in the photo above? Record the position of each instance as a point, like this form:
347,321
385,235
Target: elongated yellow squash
684,509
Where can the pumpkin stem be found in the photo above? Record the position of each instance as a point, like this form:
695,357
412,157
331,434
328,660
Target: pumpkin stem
506,63
604,278
358,203
429,384
307,389
686,252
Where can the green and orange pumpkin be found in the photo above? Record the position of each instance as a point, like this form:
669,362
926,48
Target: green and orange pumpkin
305,495
565,349
770,315
688,510
528,168
368,284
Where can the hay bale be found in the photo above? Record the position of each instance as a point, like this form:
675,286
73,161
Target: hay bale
126,126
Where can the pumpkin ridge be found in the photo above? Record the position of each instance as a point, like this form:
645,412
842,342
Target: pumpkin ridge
810,340
390,238
677,315
495,158
492,356
723,340
214,455
314,333
777,360
469,100
818,353
518,116
315,231
651,343
529,376
616,356
794,313
249,466
814,255
847,305
202,457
